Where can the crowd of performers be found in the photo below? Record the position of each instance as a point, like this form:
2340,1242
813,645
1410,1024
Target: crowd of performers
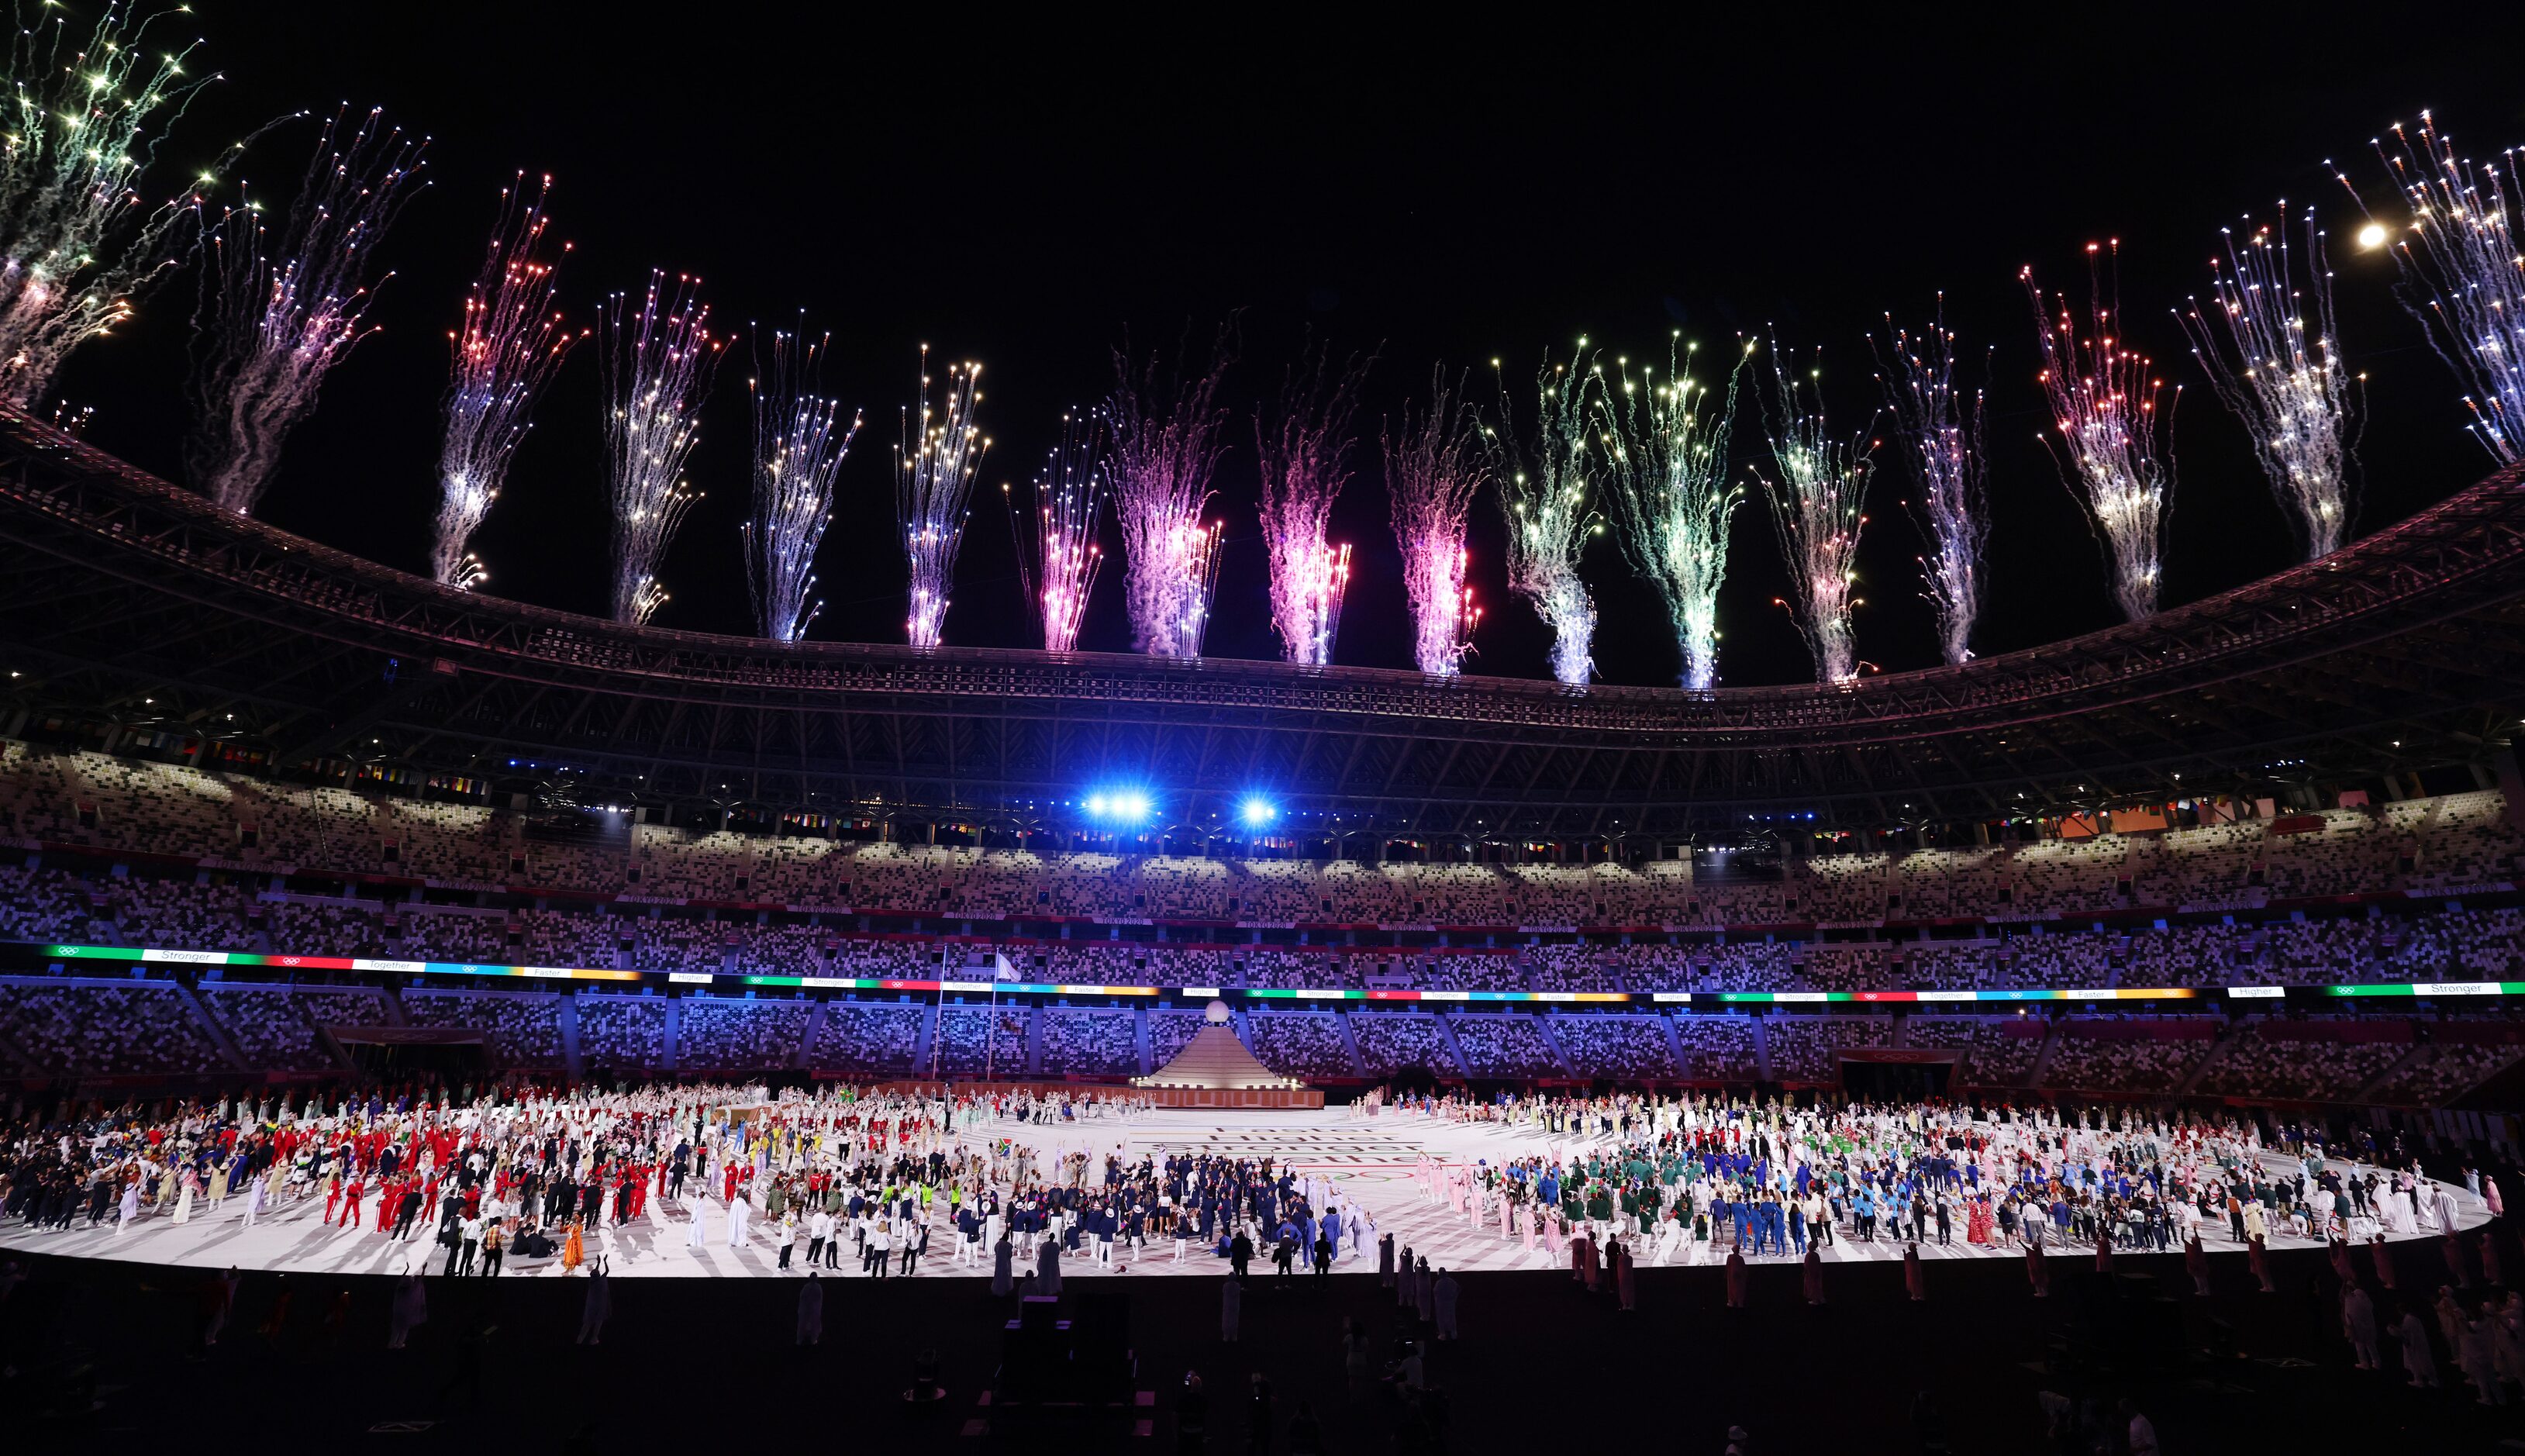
1702,1179
533,1173
1021,1184
1649,1178
536,1173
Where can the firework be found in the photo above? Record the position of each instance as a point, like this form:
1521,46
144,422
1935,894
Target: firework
1059,565
1941,431
78,246
2103,398
799,444
1305,455
658,368
1432,471
1816,503
1666,462
933,477
2463,271
510,348
278,310
1165,449
1543,491
2288,386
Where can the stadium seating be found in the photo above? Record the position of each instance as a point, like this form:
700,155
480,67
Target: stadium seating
115,852
109,1031
1396,1040
2446,844
1510,1046
1090,1043
2297,1062
871,1040
623,1034
1629,1048
1306,1045
1718,1048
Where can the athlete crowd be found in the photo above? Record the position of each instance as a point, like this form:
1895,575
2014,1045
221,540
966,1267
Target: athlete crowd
1695,1177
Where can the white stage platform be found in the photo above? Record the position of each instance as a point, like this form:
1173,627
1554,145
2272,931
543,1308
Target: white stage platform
1372,1157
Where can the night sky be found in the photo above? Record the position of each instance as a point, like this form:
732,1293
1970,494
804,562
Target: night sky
1031,197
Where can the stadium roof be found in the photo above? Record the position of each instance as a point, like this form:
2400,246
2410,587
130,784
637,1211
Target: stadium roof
130,601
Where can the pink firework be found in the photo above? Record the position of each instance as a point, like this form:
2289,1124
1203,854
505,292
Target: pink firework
1166,451
1059,565
1304,452
1433,469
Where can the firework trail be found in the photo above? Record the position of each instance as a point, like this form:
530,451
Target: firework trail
657,369
2104,399
1304,455
1941,430
1058,564
1543,491
510,348
2289,388
77,243
933,478
1432,472
2463,271
1666,464
1166,450
1815,504
278,310
799,444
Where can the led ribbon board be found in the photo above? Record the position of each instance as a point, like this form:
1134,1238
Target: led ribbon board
157,956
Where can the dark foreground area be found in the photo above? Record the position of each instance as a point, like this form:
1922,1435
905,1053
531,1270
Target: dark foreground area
105,1355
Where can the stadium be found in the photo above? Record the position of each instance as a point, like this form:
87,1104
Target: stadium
1388,945
266,793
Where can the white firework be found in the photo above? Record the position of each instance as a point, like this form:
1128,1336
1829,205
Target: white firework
280,308
800,441
1816,501
1546,487
659,361
933,480
1941,429
1666,447
77,244
2281,373
2463,271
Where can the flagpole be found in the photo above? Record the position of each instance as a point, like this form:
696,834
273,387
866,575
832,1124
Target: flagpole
938,1033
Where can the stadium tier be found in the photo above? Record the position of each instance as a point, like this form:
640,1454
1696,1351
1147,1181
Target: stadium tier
184,857
168,922
91,1031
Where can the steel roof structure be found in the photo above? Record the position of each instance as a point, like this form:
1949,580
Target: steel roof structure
130,601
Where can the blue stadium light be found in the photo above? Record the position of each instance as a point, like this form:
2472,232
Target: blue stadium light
1256,813
1121,806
